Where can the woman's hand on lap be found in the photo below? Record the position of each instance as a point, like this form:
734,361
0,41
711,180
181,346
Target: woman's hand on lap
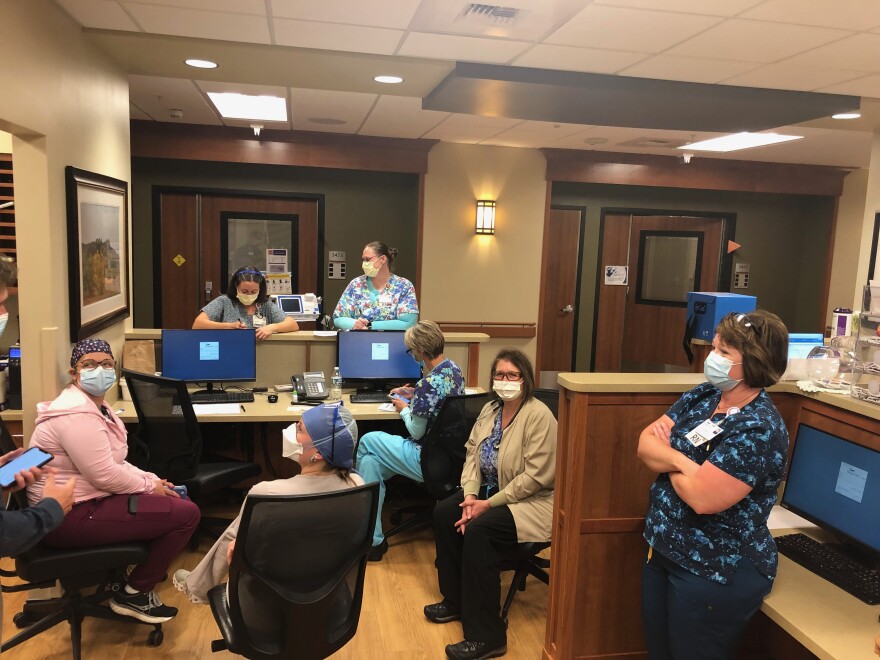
361,324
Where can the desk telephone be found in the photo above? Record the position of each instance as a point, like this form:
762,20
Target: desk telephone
310,385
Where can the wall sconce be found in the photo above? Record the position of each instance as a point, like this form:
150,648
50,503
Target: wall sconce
485,216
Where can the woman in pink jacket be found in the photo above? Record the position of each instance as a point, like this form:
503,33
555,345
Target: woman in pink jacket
113,500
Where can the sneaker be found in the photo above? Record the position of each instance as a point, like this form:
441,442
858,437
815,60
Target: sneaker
466,650
179,581
378,551
144,606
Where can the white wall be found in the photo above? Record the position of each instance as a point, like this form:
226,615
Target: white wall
65,103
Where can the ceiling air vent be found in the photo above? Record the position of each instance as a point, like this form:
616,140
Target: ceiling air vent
489,13
652,143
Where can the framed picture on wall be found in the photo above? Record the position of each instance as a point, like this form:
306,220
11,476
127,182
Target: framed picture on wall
97,251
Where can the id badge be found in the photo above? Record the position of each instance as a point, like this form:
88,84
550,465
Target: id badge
259,321
703,433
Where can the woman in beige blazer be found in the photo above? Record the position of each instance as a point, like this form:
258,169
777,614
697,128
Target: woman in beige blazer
506,498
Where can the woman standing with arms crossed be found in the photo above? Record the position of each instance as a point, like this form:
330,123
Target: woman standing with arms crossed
720,452
378,299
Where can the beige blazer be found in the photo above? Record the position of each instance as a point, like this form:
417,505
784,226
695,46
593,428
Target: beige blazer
526,467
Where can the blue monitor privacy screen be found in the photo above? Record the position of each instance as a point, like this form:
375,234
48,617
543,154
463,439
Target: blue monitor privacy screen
209,355
801,343
375,357
835,484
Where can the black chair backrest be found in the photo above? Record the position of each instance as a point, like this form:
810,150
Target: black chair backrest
167,424
297,574
443,448
549,398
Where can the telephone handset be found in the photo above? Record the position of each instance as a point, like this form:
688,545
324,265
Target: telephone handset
310,385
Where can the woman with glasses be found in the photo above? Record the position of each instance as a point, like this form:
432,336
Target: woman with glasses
506,498
378,299
381,455
720,454
113,500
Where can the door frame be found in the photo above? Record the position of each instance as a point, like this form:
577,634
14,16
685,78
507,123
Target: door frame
725,263
156,201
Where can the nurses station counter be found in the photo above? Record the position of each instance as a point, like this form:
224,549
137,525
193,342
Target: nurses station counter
601,500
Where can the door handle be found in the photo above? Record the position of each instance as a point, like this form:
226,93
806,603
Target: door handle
568,309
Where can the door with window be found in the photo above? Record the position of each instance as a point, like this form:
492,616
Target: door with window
640,321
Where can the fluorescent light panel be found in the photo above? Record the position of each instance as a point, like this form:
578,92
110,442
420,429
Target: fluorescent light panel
231,105
737,141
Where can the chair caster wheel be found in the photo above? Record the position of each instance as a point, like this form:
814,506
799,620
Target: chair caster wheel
155,638
396,518
22,620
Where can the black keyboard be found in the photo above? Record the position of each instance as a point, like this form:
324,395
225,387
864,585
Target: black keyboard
370,397
829,563
222,397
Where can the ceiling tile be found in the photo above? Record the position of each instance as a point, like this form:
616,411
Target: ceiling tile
157,96
819,147
136,113
687,69
400,116
471,49
629,29
708,7
254,7
102,14
333,36
856,15
350,107
755,41
470,128
569,58
396,14
865,86
860,52
201,24
240,88
533,134
790,76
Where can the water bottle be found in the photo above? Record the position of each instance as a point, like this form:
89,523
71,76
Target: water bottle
336,385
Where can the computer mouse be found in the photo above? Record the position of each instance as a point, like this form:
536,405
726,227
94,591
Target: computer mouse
273,398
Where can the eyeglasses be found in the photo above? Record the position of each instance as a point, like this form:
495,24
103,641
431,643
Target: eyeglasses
375,256
506,375
89,365
744,319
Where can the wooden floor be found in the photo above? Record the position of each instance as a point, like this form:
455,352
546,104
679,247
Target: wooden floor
391,626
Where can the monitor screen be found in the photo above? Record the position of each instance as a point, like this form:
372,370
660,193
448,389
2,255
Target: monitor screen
290,304
801,343
375,355
835,484
209,355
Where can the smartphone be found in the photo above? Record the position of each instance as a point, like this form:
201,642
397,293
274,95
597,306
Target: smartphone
402,398
181,490
33,457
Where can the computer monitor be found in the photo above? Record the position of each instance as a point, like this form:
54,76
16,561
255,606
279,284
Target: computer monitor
290,304
799,346
375,358
835,484
209,355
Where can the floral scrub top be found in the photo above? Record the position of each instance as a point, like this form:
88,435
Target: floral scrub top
489,456
225,310
443,380
752,447
395,301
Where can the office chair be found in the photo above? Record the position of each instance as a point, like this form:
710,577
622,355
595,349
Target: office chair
549,398
75,569
171,440
296,580
442,457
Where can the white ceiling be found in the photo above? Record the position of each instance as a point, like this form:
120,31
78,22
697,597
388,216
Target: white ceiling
321,55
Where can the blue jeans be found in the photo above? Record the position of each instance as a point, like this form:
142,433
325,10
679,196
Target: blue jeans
687,617
380,456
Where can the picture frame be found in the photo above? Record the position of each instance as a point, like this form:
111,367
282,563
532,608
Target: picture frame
97,251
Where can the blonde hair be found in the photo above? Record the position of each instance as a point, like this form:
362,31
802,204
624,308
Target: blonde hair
426,337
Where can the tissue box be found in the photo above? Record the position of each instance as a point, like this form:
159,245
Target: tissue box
706,309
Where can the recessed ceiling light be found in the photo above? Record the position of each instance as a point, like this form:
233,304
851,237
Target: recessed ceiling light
231,105
846,115
388,80
328,121
201,64
738,141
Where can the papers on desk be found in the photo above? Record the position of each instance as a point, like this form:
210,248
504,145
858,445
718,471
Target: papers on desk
216,409
325,333
387,407
781,518
471,390
297,408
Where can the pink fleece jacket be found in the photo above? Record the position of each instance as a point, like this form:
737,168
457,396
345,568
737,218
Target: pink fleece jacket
86,445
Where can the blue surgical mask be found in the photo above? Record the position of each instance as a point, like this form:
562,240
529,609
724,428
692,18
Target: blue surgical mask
4,318
717,370
97,381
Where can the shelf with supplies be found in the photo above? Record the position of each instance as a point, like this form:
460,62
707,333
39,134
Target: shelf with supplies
866,351
7,206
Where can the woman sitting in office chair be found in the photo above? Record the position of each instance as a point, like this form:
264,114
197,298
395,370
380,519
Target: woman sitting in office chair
245,305
323,445
113,500
720,452
378,299
382,455
506,498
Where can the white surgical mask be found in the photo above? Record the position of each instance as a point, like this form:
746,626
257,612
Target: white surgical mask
4,318
507,389
290,446
369,269
97,381
246,300
717,370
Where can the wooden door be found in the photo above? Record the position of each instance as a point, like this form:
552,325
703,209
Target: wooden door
641,325
559,289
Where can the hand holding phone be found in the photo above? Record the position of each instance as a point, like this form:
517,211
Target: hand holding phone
22,461
402,398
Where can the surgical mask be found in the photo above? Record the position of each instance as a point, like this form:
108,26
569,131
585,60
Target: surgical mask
290,446
247,300
97,381
717,371
4,318
507,389
369,269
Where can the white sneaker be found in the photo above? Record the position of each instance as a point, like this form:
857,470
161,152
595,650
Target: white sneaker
179,581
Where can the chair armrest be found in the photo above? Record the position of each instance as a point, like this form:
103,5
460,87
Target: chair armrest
220,609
